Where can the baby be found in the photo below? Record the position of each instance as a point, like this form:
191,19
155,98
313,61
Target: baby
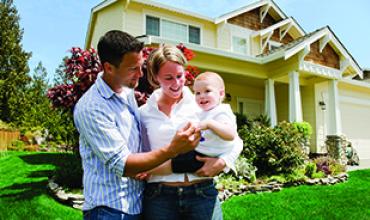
217,122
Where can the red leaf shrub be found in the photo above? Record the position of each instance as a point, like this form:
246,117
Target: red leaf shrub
83,66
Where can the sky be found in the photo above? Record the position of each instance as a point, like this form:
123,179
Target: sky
52,27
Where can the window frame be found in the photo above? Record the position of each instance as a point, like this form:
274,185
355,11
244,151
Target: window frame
246,44
174,21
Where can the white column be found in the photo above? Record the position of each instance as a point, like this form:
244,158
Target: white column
270,104
295,105
335,124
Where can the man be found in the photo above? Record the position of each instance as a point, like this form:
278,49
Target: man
109,125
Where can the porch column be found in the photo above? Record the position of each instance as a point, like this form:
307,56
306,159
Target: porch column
335,124
270,104
295,105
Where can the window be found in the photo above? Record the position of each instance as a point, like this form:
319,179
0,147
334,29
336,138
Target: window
250,107
194,35
176,31
152,26
172,30
239,45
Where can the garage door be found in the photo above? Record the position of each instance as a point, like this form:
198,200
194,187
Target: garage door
356,125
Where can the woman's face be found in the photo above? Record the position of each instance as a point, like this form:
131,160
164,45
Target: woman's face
171,78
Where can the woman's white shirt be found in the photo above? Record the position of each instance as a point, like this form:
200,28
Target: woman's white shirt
160,129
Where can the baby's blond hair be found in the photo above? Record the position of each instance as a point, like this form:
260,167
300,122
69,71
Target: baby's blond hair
216,78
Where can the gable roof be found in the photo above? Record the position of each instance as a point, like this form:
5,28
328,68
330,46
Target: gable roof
250,7
297,45
288,21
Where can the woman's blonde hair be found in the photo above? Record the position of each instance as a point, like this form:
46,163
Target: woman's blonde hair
159,57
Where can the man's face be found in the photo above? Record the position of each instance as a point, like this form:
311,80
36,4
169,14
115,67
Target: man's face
129,71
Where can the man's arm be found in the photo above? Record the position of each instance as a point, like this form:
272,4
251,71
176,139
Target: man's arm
185,139
99,130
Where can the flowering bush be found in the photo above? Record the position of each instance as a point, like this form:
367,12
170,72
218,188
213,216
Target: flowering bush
82,68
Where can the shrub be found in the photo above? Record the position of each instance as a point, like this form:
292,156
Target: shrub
317,175
245,170
328,166
273,150
310,169
18,145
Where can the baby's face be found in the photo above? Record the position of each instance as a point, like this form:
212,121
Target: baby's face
207,95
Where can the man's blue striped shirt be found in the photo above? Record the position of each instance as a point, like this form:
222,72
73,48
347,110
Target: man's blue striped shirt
109,127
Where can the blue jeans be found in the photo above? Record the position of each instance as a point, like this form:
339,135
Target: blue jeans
198,201
107,213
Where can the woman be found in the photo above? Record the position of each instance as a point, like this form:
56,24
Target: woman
177,196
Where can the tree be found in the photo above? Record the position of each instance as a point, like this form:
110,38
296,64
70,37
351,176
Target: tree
13,62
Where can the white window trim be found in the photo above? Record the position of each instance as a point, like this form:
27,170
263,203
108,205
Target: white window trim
246,45
161,18
236,31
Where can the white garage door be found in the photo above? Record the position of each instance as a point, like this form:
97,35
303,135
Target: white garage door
356,126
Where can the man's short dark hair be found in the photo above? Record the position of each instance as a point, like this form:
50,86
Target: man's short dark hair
115,44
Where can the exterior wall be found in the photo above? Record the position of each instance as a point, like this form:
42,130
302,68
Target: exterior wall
241,91
110,18
282,101
276,37
223,36
355,111
328,57
322,116
309,111
135,22
251,20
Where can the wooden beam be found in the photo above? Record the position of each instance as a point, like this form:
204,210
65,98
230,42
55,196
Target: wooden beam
344,64
265,40
263,11
285,30
324,41
304,53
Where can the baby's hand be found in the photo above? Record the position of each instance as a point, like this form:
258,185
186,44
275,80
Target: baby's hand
203,125
142,176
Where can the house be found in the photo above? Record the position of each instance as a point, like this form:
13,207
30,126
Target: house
269,63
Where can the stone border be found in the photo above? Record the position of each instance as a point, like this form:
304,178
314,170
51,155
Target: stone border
274,186
74,200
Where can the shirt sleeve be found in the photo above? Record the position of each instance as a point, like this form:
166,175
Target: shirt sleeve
98,129
231,156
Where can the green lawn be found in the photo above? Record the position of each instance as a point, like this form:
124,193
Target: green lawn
23,192
23,195
349,200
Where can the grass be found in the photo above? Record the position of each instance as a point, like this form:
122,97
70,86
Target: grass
23,192
349,200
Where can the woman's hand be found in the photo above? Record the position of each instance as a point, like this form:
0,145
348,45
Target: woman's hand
212,166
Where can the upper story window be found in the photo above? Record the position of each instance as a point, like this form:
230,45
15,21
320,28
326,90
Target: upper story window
239,45
172,30
152,26
194,35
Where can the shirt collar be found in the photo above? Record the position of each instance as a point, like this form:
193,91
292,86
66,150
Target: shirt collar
187,97
105,90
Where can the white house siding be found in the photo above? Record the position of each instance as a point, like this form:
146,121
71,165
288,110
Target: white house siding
135,22
111,18
355,113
